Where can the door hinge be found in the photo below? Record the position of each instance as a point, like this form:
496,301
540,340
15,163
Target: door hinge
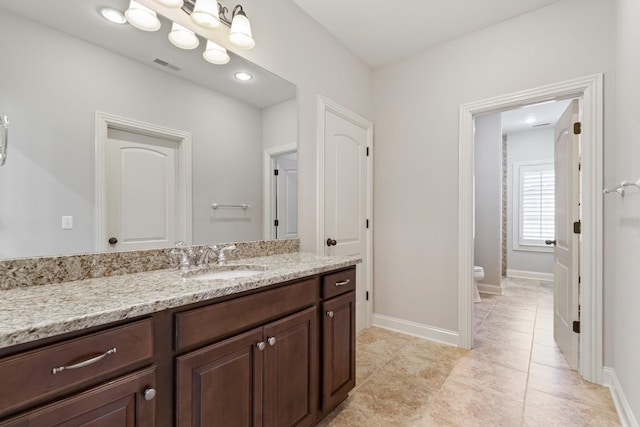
579,279
367,223
367,151
276,172
276,223
577,227
579,166
577,128
367,295
576,326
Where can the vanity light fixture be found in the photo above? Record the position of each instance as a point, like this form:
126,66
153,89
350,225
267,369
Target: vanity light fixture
112,15
241,75
183,37
210,13
174,4
142,17
215,54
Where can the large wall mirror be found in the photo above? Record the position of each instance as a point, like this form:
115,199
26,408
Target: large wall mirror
102,113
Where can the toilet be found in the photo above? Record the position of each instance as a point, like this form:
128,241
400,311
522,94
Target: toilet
478,275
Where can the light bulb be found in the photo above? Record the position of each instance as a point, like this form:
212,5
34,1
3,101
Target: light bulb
240,33
183,37
142,17
205,13
174,4
112,15
215,54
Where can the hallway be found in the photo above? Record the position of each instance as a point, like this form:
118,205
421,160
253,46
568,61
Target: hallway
514,376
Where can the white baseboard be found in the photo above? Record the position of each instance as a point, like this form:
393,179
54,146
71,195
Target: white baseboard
534,275
610,379
489,288
416,329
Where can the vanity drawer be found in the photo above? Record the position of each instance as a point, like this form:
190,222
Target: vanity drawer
202,325
338,283
35,375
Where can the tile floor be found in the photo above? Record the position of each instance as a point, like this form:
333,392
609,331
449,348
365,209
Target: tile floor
514,376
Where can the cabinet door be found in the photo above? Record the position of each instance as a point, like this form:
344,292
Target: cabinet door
338,351
221,384
118,403
291,370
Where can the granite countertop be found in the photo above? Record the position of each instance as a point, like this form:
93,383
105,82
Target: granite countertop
31,313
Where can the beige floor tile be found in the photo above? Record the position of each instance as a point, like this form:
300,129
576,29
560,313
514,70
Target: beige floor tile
496,320
545,337
472,371
470,405
549,356
519,313
504,355
542,409
568,385
544,323
505,337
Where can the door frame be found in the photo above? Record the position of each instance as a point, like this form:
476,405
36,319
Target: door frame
104,121
590,91
269,184
324,105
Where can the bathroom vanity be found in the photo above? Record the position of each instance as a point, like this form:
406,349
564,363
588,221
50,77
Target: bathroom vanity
155,348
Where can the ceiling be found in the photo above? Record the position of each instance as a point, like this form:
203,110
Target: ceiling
382,31
537,116
80,18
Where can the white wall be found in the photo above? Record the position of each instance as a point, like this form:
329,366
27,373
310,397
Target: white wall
416,140
51,99
530,145
622,229
280,124
488,197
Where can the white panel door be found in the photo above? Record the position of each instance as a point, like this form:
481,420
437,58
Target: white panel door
287,196
142,186
345,198
566,254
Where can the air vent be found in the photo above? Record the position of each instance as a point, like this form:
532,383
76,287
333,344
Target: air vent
540,125
166,64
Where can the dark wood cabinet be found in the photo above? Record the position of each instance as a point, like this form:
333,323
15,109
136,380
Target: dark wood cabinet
338,349
291,371
264,377
118,403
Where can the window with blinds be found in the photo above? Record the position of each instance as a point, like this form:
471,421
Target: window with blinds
535,204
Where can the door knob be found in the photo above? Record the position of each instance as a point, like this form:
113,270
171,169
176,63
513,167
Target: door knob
113,241
550,242
331,242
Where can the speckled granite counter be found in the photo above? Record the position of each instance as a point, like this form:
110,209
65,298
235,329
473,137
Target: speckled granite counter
31,313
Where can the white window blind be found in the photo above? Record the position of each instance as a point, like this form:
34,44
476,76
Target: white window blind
535,203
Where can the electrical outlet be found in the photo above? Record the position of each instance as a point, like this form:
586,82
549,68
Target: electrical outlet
67,222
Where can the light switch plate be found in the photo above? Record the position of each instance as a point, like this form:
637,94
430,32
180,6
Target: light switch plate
67,222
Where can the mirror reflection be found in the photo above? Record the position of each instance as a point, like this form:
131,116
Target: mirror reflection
117,135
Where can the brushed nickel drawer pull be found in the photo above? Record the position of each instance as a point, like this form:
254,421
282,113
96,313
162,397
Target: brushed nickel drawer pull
85,362
346,282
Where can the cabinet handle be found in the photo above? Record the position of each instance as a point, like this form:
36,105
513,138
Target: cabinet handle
271,341
149,394
345,283
85,362
261,345
330,313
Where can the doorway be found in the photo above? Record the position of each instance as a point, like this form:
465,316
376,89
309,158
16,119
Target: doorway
281,192
526,199
141,155
590,91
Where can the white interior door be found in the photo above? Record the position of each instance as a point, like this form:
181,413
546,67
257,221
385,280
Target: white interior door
566,256
286,208
345,199
141,191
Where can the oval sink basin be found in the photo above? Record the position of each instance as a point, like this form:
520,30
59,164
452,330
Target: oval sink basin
225,274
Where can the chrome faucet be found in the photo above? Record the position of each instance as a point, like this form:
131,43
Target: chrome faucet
186,254
205,253
222,260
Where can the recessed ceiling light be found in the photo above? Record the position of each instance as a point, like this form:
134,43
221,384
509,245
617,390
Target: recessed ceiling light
243,76
112,15
530,120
